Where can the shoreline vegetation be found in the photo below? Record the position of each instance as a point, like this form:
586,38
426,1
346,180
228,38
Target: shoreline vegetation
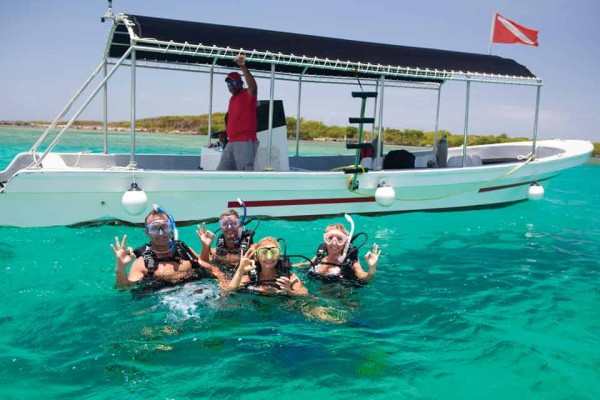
309,130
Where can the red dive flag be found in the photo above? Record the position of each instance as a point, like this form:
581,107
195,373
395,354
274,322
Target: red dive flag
507,31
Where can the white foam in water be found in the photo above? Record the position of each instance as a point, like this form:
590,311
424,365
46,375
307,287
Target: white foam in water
189,300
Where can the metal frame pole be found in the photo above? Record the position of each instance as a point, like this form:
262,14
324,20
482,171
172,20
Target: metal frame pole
271,99
105,107
65,109
298,111
374,112
437,119
83,106
211,89
492,33
378,161
535,124
464,158
132,155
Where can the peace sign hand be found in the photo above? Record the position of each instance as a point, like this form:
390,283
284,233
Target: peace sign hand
124,255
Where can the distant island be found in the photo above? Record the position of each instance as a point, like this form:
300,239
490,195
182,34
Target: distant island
309,130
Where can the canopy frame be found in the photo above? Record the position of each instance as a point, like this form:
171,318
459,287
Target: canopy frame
126,47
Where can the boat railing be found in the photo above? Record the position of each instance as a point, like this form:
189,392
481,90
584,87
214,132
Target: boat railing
65,110
37,162
21,161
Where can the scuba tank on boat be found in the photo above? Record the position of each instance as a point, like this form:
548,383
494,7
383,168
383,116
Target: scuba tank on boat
442,152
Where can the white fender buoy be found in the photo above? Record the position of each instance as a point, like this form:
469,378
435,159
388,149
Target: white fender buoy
134,200
385,194
535,191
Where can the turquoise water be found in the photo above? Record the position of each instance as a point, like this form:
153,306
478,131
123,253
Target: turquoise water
487,304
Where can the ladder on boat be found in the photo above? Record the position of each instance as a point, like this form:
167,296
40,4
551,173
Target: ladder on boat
359,145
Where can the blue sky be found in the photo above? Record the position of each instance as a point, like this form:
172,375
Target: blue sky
50,47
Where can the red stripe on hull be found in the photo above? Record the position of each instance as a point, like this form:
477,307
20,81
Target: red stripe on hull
305,202
491,188
300,202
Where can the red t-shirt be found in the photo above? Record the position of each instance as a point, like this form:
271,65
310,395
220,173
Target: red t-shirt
241,121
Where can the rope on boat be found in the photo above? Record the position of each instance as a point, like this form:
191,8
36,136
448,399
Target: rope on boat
530,157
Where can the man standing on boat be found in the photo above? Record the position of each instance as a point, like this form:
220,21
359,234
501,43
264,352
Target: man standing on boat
241,148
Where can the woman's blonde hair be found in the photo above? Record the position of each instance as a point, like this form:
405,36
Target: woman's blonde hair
339,227
268,241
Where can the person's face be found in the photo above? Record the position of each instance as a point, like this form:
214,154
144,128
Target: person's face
229,225
335,240
234,86
268,256
158,229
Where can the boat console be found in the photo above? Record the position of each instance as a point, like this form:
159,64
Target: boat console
276,159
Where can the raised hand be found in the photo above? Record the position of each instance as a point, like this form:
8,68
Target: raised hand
247,263
124,255
372,257
241,60
206,237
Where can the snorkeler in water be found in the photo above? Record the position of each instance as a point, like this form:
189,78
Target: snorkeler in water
235,239
337,259
165,261
263,270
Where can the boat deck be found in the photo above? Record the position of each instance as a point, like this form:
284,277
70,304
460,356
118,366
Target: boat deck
476,156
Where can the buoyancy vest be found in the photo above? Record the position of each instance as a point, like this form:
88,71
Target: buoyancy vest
282,269
180,252
346,270
220,259
242,243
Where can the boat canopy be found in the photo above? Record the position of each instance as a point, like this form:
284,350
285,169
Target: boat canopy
195,44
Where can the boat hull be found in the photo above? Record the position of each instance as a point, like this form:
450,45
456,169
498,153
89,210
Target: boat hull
71,196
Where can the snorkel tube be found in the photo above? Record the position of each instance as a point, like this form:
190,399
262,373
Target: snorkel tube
349,219
241,203
245,218
159,209
243,232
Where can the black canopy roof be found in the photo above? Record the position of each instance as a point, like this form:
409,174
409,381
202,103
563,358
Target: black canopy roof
182,36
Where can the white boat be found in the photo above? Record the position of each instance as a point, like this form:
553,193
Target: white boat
46,188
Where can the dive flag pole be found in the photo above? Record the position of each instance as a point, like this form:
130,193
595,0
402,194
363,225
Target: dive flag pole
494,16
